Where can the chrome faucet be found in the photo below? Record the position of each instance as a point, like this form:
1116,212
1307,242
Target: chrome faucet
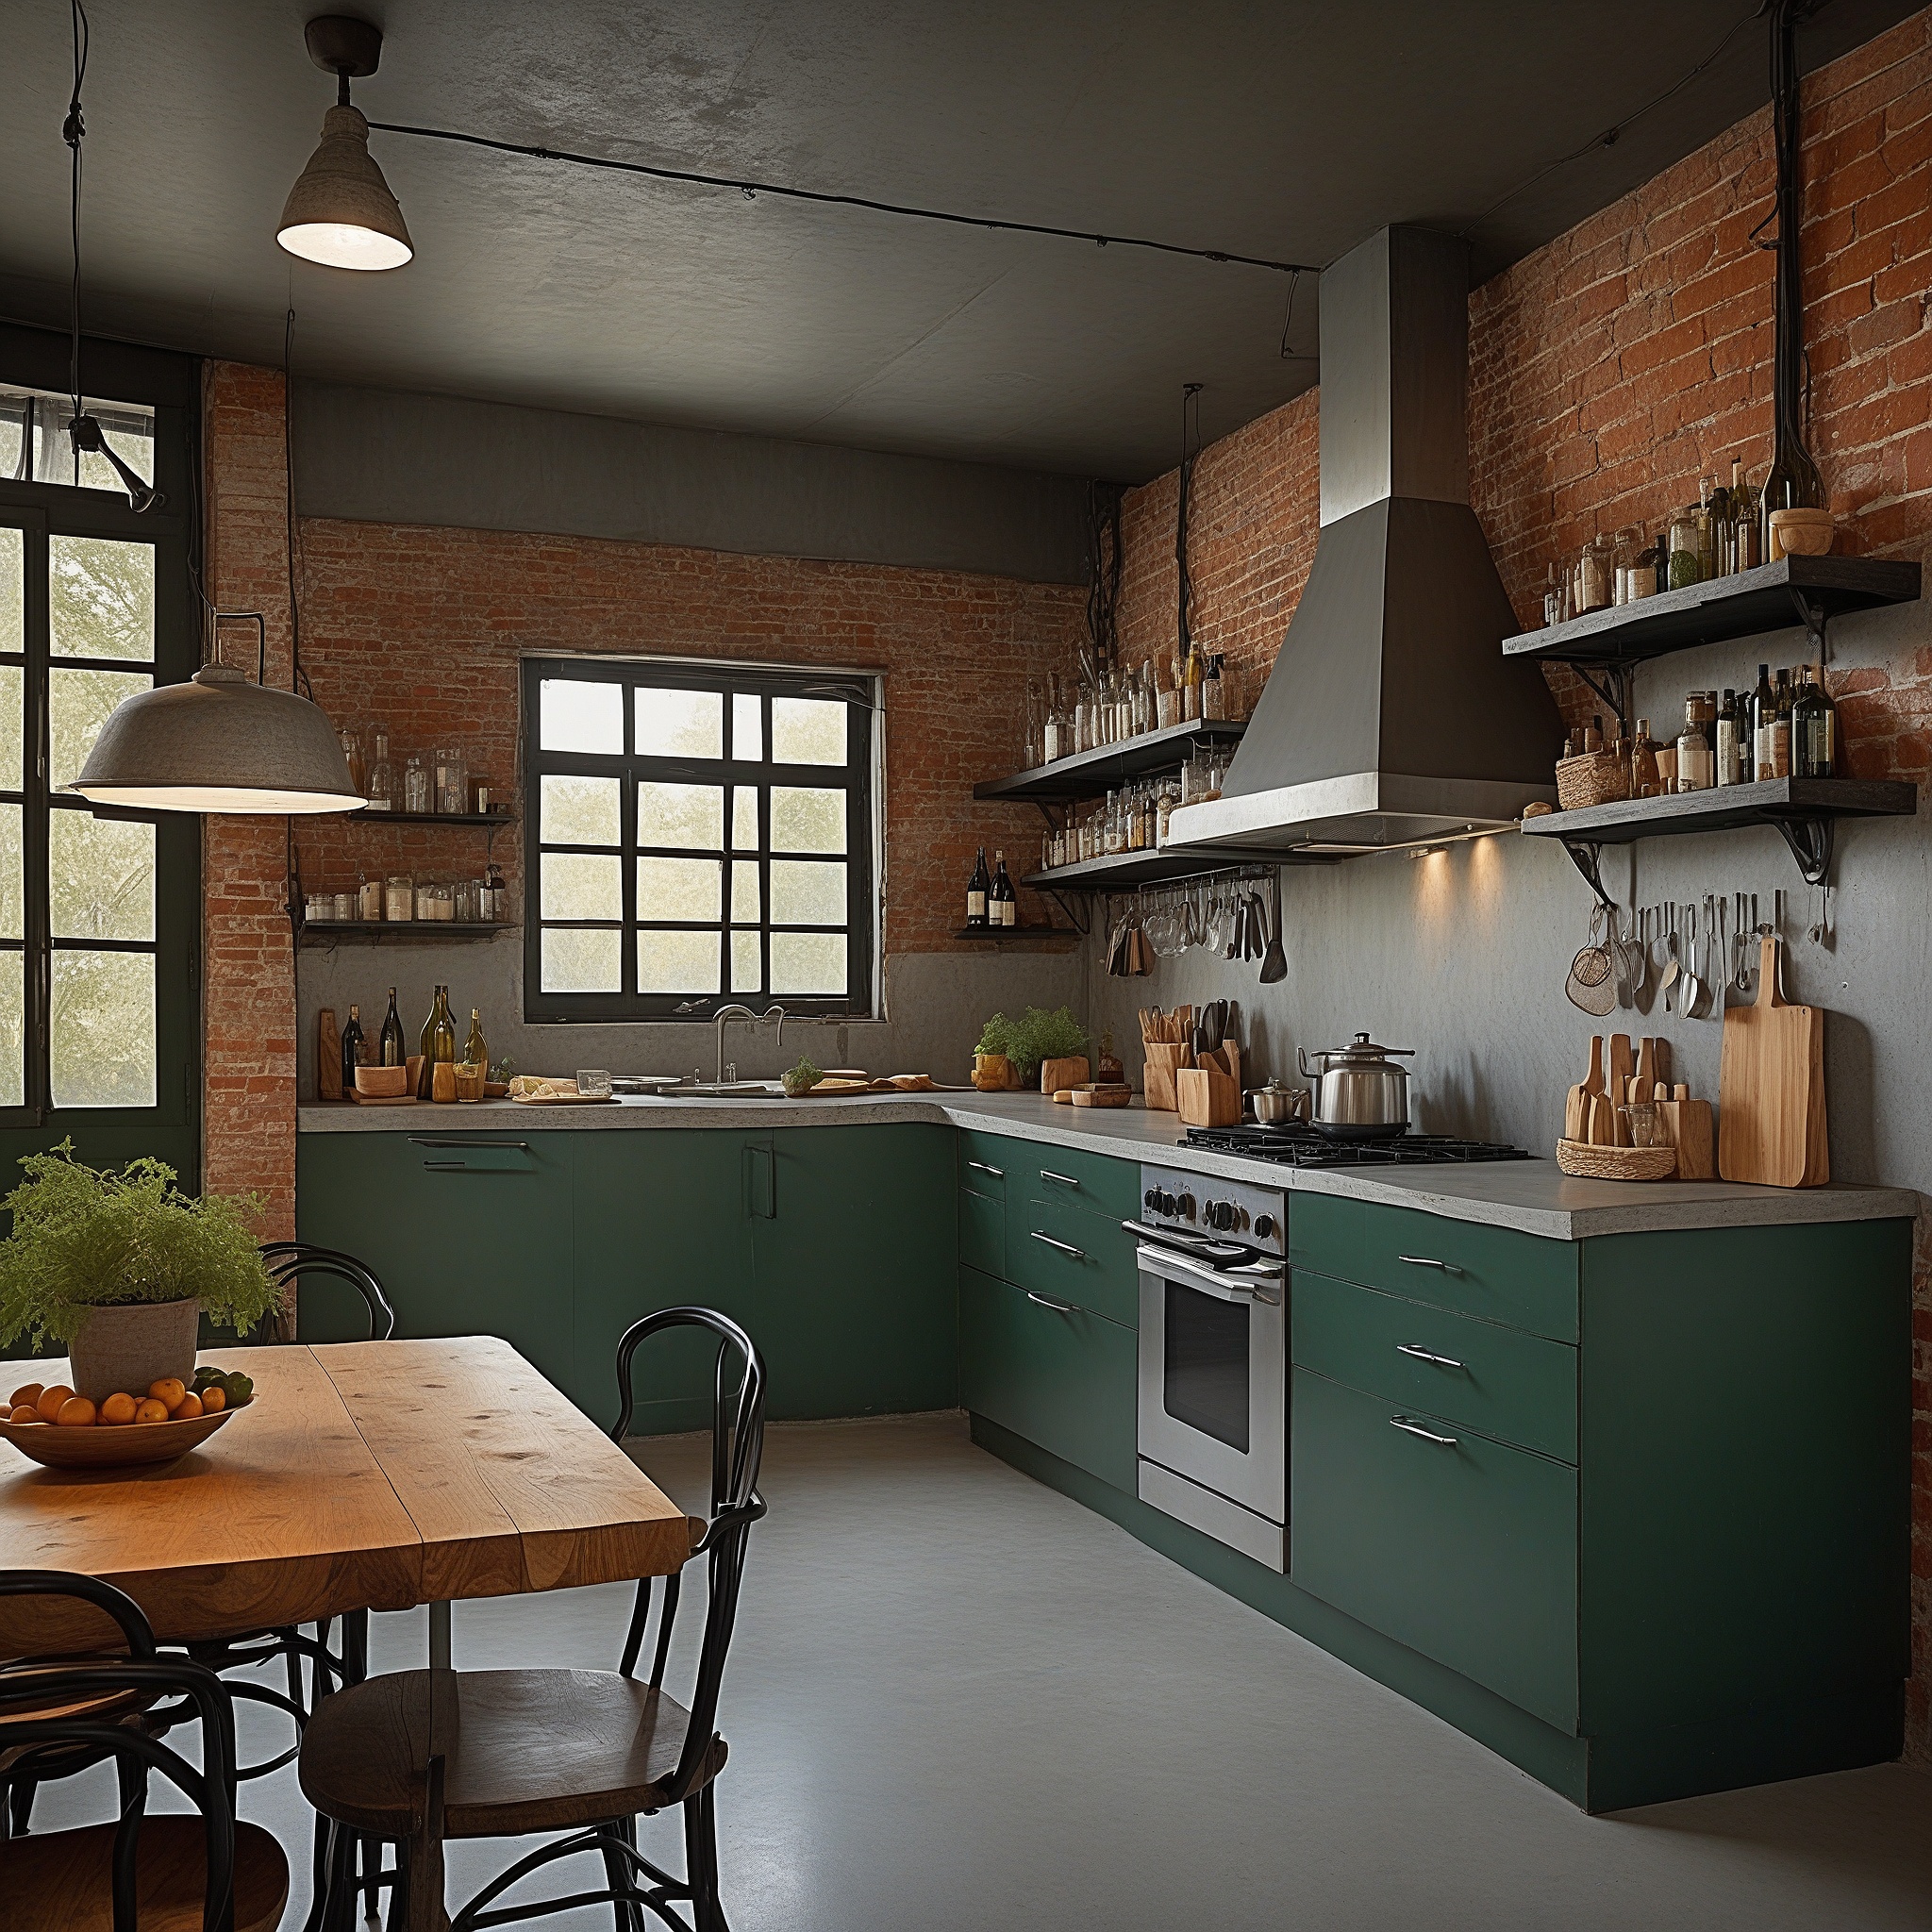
726,1014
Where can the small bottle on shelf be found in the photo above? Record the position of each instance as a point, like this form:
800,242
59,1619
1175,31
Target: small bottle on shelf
1764,716
475,1048
381,776
1728,763
1003,902
355,1048
1694,745
392,1049
1781,728
978,890
1645,781
1814,728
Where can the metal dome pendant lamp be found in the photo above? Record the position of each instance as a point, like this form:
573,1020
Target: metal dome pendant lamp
340,212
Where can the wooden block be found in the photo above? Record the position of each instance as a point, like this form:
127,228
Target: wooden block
1164,1060
1206,1097
1074,1071
1680,1092
328,1056
1770,1087
1687,1125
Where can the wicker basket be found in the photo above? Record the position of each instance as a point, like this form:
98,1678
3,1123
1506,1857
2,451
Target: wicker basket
1616,1163
1595,777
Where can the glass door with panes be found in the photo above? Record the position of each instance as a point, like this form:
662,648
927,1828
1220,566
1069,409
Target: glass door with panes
99,910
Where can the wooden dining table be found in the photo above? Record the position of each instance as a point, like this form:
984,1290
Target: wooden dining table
363,1474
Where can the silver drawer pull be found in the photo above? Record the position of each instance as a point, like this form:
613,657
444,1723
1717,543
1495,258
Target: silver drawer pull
999,1174
1058,1308
1429,1261
1066,1180
1065,1247
1409,1428
1424,1355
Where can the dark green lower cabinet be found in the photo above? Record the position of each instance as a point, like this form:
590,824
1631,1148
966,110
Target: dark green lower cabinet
1058,1376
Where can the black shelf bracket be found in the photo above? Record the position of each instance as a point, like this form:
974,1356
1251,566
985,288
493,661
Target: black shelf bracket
1813,616
1614,691
1812,841
1082,922
1586,856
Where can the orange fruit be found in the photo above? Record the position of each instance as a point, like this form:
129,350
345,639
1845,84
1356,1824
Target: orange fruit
150,1408
23,1412
118,1410
76,1412
26,1395
49,1400
214,1398
169,1389
186,1408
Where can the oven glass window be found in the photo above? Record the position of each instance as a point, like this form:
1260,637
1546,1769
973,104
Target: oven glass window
1205,1375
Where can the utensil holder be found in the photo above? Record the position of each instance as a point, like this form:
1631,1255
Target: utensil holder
1072,1070
1206,1097
1166,1060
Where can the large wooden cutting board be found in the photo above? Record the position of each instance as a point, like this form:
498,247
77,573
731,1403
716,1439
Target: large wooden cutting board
1770,1087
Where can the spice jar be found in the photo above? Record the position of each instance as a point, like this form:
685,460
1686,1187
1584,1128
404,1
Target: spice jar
369,899
417,786
433,901
1596,574
399,897
1644,781
1685,550
1696,771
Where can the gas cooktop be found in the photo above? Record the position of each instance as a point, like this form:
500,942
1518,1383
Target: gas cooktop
1296,1144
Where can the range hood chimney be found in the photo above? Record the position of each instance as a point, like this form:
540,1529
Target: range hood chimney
1391,717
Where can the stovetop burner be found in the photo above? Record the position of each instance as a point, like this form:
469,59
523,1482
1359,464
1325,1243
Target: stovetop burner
1296,1144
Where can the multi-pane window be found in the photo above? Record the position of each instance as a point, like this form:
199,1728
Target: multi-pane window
696,834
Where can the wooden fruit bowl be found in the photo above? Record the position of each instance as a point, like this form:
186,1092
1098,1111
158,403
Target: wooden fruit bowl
101,1447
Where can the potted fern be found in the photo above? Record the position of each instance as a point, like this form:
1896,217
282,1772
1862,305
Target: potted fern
121,1266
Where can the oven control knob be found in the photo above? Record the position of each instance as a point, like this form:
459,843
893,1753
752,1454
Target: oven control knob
1240,1219
1264,1225
1151,1199
1185,1207
1219,1215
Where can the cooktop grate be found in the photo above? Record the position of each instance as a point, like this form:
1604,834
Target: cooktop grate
1299,1145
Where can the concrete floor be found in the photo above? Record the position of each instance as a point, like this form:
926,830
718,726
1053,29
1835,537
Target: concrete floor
958,1700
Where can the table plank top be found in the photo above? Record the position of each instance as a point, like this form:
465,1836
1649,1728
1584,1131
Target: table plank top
363,1474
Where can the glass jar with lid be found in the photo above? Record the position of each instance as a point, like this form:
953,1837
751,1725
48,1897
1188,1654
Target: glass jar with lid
1696,769
399,896
1596,574
418,785
1684,543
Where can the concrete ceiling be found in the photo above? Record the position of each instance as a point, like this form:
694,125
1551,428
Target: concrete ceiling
1289,131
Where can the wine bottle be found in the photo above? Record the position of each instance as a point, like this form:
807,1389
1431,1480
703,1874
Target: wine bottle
1781,728
1743,519
475,1048
353,1049
1810,732
977,888
1004,904
1727,739
392,1049
1763,715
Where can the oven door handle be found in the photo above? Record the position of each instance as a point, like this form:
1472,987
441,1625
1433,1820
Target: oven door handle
1168,1266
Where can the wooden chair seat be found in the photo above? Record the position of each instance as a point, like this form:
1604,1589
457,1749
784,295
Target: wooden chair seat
62,1881
522,1751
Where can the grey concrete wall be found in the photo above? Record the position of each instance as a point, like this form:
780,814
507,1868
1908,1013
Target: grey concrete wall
1463,955
382,456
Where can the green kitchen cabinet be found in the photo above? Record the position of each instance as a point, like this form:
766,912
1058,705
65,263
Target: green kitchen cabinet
470,1234
1069,1252
854,1239
662,1220
1053,1372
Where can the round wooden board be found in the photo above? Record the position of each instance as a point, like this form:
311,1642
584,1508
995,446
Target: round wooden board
100,1447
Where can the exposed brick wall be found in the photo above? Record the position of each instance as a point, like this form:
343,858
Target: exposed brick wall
1608,371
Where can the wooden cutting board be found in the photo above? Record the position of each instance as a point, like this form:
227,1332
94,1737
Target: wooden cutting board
1770,1087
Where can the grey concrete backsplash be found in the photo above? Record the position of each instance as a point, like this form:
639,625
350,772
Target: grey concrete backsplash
1462,954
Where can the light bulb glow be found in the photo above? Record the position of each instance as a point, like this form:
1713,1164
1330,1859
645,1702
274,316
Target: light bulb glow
338,244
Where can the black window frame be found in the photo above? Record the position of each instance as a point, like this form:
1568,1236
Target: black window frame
859,777
170,385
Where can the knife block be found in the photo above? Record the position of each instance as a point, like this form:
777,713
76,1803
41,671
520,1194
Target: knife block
1209,1094
1166,1058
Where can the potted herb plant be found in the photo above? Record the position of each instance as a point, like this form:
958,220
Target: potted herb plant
121,1266
995,1069
1056,1043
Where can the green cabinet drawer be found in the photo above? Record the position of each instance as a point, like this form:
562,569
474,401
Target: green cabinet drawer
1518,1387
1094,1181
1062,1378
982,1232
1464,1549
1522,1280
985,1161
1072,1254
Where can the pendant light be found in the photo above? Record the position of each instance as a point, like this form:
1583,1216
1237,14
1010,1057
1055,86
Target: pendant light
340,211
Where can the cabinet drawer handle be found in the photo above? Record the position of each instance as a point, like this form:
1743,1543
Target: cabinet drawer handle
1058,1308
1424,1355
1409,1428
432,1141
999,1174
1066,1180
1429,1261
1065,1247
464,1167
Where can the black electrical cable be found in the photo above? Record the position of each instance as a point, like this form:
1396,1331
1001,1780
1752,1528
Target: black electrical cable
73,132
751,190
1191,448
291,532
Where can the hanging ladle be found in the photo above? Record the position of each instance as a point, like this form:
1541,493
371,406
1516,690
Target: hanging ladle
1274,963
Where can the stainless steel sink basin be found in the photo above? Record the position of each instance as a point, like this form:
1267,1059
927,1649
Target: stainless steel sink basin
723,1089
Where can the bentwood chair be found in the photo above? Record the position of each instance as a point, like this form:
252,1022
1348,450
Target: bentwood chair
170,1873
423,1757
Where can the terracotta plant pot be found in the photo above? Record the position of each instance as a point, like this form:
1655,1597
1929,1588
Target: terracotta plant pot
993,1073
1070,1071
128,1346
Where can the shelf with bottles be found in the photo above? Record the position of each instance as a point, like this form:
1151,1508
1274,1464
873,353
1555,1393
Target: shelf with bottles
495,820
1000,933
401,902
327,932
420,788
1088,773
1120,871
1135,817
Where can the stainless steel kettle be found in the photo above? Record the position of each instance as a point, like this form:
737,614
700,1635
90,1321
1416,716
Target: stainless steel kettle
1360,1093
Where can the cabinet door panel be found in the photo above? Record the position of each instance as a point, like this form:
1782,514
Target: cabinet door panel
661,1222
466,1237
1063,1379
1074,1254
982,1232
1464,1549
856,1305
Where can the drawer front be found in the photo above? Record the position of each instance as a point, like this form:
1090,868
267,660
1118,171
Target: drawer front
985,1161
1071,1255
1520,1280
1065,1381
1516,1387
982,1232
1094,1181
1464,1550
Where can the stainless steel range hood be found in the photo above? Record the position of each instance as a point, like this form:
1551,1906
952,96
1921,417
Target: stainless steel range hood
1391,717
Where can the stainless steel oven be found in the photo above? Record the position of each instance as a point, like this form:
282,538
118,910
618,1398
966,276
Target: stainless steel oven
1213,1358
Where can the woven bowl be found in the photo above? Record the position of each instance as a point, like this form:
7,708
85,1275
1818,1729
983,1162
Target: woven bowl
1594,778
1616,1163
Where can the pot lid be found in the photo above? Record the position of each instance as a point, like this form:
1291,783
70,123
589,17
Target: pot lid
1363,1051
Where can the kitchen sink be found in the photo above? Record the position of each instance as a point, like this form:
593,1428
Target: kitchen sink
723,1089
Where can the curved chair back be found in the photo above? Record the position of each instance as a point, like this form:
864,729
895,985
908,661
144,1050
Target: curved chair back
288,1260
738,1440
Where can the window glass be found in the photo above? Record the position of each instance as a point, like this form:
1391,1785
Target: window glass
807,819
582,962
78,703
101,597
12,575
100,877
808,963
678,889
36,448
12,876
747,962
576,715
679,723
748,728
580,812
681,815
806,891
12,1029
577,884
808,731
745,819
12,690
685,962
744,890
101,1038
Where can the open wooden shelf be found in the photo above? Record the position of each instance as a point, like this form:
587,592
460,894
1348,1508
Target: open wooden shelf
495,820
1122,871
1092,773
322,932
997,933
1795,591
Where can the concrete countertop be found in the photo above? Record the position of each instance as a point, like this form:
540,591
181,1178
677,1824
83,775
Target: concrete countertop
1530,1195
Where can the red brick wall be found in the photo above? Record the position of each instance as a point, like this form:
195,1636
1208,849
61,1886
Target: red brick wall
1607,372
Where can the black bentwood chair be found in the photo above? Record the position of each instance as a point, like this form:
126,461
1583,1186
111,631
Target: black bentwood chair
423,1757
169,1874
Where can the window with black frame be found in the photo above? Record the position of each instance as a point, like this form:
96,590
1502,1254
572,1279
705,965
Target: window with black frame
696,833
